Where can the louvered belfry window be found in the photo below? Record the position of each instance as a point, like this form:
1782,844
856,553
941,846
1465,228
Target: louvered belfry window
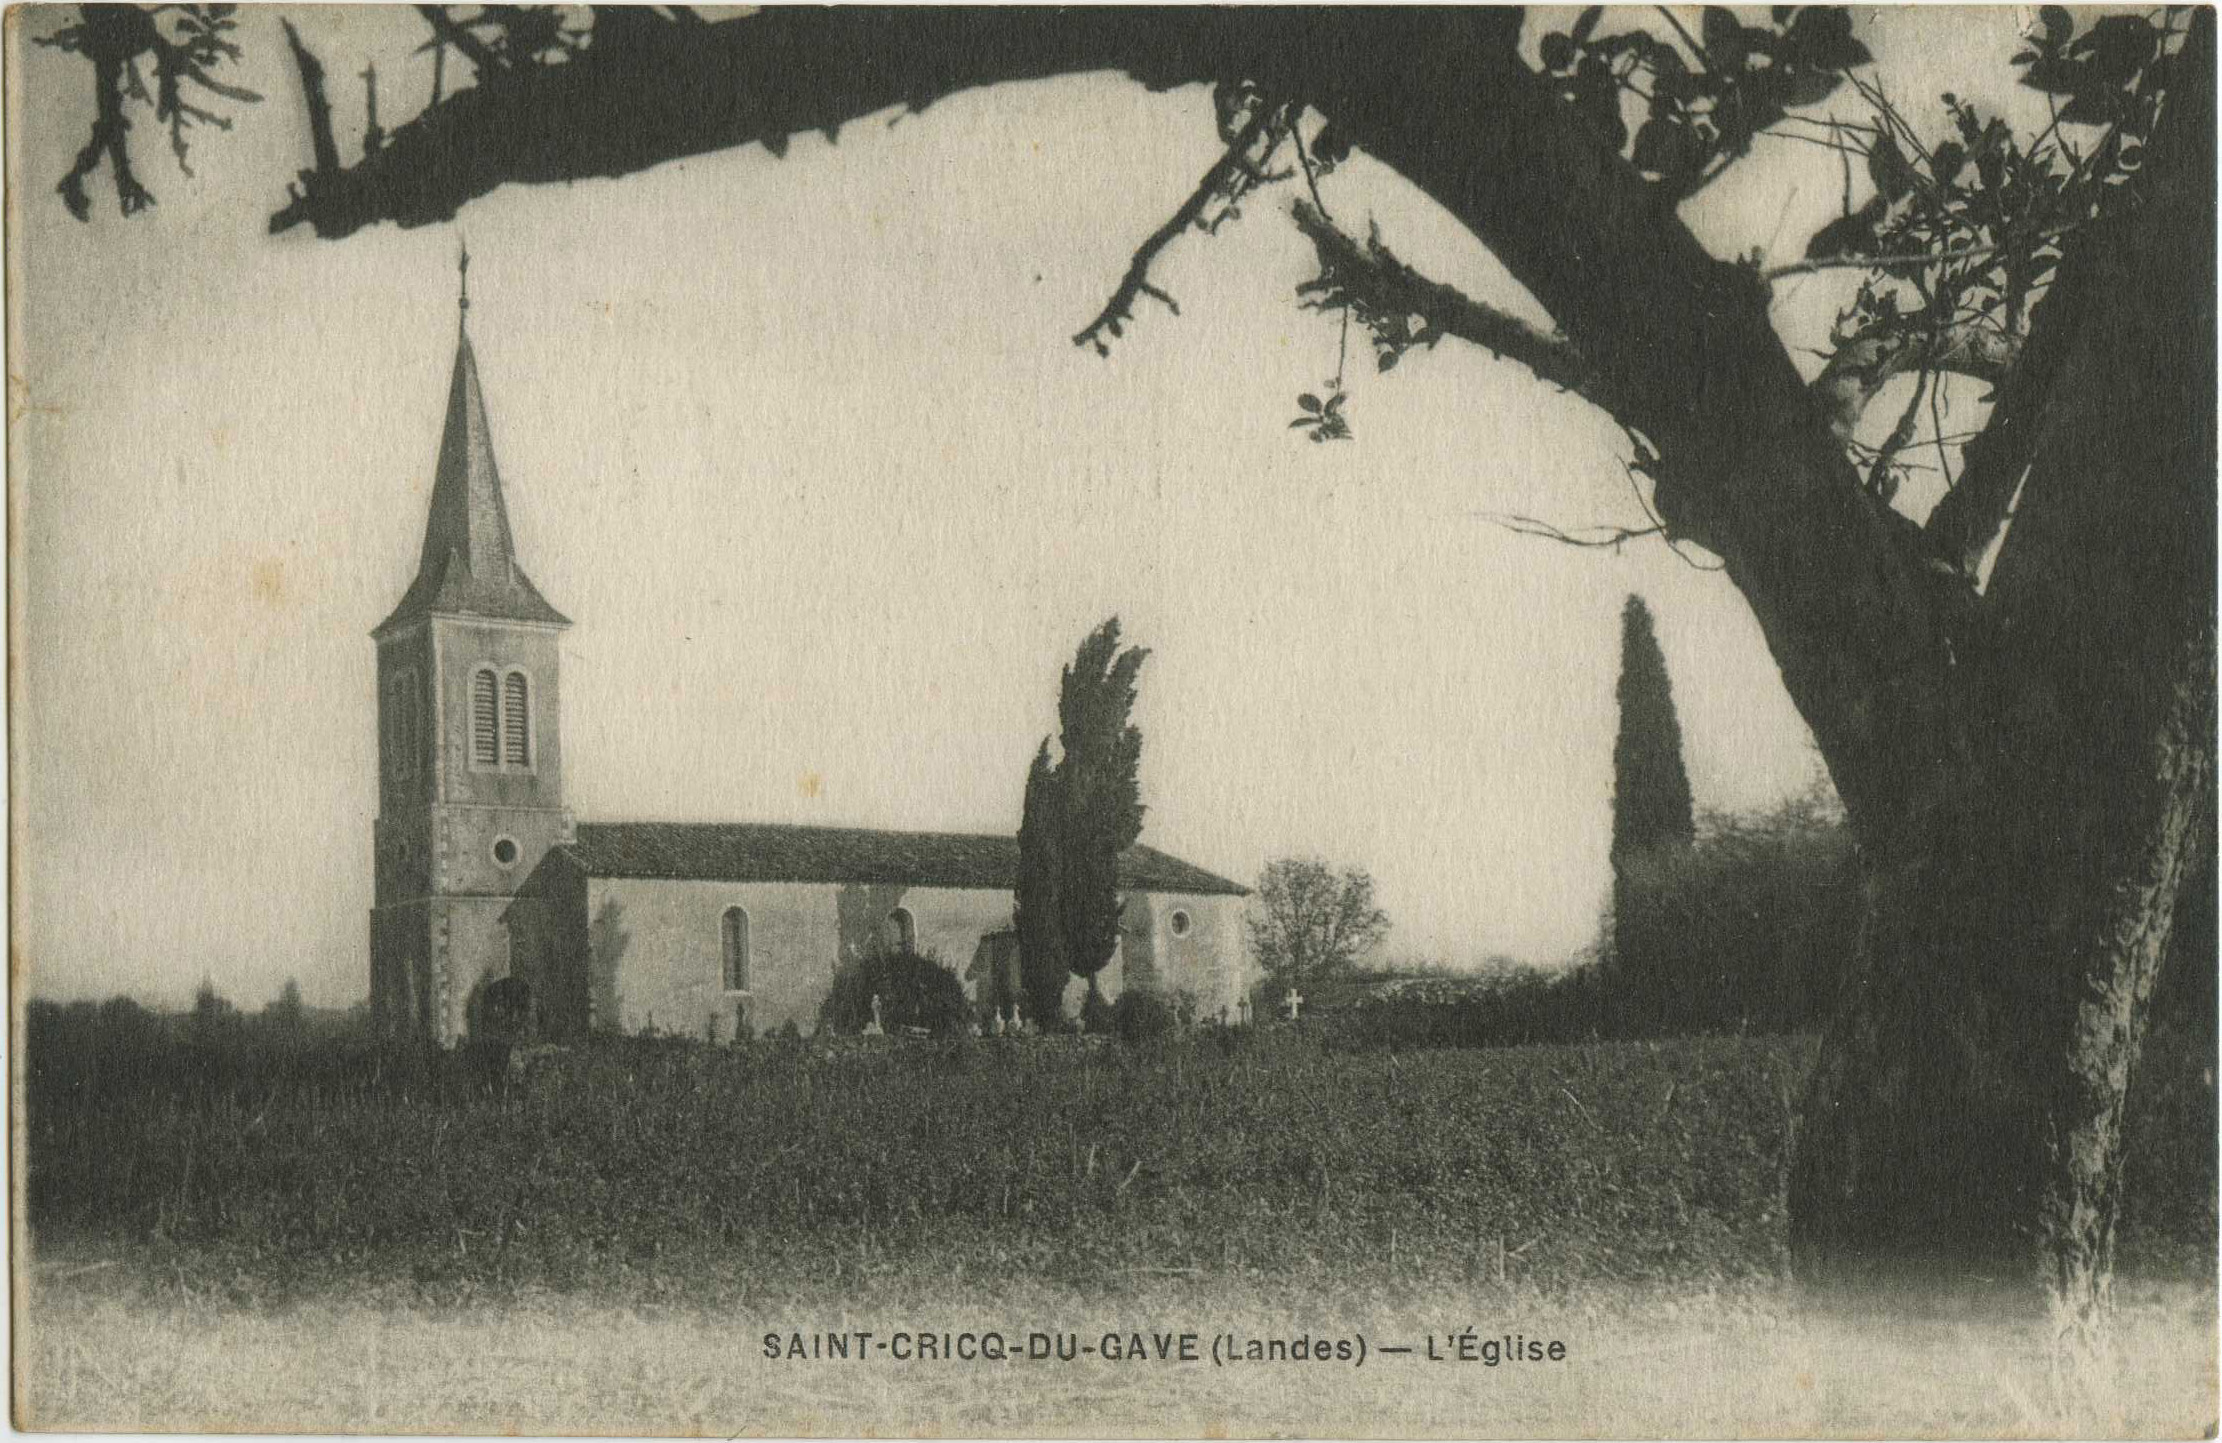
485,708
516,733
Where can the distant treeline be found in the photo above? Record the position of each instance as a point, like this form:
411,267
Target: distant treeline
1751,927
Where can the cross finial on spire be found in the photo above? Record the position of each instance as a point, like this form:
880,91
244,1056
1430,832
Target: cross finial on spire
463,271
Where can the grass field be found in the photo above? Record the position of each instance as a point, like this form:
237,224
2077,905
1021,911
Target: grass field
603,1245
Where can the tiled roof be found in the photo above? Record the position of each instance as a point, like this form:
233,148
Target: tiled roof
469,563
766,852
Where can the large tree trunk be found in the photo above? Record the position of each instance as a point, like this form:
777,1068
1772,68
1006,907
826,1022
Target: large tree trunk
1964,1126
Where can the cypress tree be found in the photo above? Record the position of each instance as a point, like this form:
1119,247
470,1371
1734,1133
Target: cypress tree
1651,811
1651,788
1080,814
1101,779
1039,918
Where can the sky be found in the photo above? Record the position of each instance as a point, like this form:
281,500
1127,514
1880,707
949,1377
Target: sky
804,449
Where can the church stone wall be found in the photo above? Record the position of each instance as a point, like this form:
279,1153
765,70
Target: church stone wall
464,840
649,953
657,953
657,956
400,969
471,942
1208,958
405,780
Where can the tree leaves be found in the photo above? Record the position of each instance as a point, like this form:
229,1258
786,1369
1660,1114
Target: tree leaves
1324,419
1887,168
1985,199
1726,45
1820,38
1668,149
2098,72
1849,235
1708,94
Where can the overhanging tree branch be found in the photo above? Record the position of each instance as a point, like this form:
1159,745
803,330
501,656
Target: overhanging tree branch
1389,297
1863,364
645,90
1222,178
1407,309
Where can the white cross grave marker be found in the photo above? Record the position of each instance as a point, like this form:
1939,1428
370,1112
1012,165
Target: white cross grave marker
1294,1002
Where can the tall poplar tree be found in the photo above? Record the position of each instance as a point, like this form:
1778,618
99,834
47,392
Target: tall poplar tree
1650,803
1651,788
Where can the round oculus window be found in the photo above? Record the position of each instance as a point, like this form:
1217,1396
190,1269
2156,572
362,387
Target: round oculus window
1180,924
505,851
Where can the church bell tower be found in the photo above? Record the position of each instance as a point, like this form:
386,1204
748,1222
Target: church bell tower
470,756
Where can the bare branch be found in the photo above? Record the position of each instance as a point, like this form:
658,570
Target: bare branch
1936,430
113,38
1225,173
1883,263
1879,477
319,104
1598,537
446,32
109,137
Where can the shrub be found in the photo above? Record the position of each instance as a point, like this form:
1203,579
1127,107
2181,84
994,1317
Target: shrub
915,990
1141,1015
1096,1015
1752,926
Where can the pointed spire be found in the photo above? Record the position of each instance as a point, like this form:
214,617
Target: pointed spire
469,516
469,565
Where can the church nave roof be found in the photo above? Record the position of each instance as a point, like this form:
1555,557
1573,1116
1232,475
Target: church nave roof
773,852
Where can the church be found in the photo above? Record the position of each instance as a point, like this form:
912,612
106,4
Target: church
482,874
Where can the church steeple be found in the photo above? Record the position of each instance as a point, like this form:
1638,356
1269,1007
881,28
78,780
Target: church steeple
470,739
469,563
